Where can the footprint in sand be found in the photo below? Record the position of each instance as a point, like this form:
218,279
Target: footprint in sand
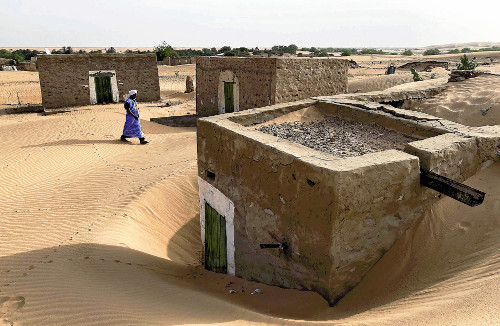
9,305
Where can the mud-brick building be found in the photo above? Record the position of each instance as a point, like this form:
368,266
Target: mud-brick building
278,212
83,79
225,85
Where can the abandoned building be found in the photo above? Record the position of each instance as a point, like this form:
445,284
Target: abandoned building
83,79
225,85
304,217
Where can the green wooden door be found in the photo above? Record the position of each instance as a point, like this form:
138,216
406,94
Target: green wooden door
103,91
215,241
228,97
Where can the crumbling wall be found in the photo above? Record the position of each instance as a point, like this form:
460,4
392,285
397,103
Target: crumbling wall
64,78
26,66
255,76
298,79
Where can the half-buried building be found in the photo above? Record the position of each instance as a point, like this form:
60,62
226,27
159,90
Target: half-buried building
310,194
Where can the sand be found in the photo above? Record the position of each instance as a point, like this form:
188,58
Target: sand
475,102
94,231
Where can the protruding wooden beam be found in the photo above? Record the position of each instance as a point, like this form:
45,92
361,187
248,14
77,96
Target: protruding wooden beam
451,188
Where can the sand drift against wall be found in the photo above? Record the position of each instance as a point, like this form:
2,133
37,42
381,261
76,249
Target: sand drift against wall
339,137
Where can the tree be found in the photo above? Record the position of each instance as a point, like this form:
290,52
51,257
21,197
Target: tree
164,51
454,51
292,49
225,49
407,52
111,50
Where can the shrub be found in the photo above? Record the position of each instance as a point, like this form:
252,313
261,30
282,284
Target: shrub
321,53
432,52
407,52
454,51
372,51
466,64
416,76
346,53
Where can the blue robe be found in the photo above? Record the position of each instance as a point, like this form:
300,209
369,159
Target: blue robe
132,127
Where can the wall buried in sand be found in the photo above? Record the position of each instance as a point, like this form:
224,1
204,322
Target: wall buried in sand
67,79
261,82
337,215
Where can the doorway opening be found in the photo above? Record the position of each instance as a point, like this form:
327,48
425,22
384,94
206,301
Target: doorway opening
104,93
103,87
228,97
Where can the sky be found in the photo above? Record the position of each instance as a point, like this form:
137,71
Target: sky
262,23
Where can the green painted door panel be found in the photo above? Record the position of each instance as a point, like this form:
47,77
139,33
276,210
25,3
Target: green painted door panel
228,97
215,241
103,91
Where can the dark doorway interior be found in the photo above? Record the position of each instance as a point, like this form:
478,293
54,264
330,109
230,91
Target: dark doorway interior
103,91
228,97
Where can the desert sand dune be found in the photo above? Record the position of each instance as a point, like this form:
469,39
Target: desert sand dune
94,231
475,102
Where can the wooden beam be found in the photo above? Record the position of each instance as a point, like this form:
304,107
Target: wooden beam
451,188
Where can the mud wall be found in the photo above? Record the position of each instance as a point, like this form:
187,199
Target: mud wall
301,79
255,76
64,78
26,66
177,61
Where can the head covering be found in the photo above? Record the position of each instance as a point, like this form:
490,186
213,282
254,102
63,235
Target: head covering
132,92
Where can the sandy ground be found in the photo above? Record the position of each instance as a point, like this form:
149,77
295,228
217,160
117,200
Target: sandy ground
94,231
474,101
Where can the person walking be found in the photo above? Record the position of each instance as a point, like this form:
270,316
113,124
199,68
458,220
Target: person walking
132,127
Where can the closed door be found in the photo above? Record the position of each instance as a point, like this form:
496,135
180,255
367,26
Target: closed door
103,91
228,97
215,241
